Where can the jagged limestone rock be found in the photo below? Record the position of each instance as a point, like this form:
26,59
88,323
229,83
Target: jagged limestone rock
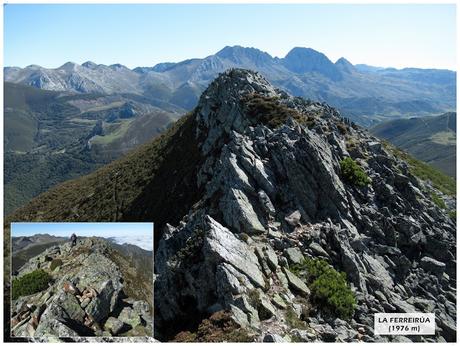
296,284
294,255
432,265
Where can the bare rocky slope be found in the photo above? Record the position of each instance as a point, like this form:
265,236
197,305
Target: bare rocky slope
248,193
92,290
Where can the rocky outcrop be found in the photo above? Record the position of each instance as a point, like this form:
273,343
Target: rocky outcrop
86,296
274,195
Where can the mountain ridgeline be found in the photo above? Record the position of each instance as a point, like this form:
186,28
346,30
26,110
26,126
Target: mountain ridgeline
367,94
260,199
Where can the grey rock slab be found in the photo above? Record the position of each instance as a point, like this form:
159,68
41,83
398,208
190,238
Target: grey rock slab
278,301
238,316
265,308
85,302
100,307
294,255
318,250
432,265
129,316
295,283
114,325
271,257
325,331
293,219
221,243
303,335
54,327
239,212
70,305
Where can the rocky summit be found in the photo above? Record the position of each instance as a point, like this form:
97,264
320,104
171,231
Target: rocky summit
304,226
87,291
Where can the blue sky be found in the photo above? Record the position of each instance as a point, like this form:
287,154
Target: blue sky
65,229
143,35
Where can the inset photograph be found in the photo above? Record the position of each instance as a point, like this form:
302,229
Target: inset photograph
82,279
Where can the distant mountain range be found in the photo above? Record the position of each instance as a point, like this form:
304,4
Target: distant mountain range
25,242
431,139
365,93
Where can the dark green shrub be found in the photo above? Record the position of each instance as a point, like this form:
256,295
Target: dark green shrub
353,173
329,288
55,263
30,283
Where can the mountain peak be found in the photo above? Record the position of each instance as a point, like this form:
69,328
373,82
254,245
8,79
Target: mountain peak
118,67
89,64
344,65
69,66
218,109
303,60
234,84
238,54
343,61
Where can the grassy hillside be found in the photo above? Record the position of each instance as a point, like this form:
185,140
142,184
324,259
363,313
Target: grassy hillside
430,139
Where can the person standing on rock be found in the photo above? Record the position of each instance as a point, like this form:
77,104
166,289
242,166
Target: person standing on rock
73,239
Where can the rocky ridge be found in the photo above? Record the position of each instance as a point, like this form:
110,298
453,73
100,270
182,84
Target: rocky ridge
86,296
274,195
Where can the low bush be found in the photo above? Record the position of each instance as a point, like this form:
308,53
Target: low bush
30,283
329,288
353,173
270,111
